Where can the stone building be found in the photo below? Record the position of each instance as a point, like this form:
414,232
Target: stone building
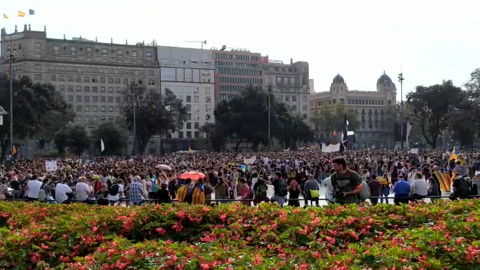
90,75
290,84
371,108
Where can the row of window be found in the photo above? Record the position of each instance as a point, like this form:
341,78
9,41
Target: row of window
108,99
196,99
94,108
73,50
95,119
231,64
239,71
353,101
288,99
236,57
232,88
186,134
290,81
95,70
87,79
241,80
195,75
94,89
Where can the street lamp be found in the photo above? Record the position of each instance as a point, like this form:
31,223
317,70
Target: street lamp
400,80
269,116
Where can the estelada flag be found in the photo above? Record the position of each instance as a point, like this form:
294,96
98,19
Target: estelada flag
182,194
445,180
198,196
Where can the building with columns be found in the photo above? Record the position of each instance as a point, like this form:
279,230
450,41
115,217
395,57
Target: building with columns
370,107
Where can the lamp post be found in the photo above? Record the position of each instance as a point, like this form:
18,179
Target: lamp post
401,79
269,114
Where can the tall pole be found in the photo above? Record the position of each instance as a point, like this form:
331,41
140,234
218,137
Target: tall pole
269,114
11,97
401,79
134,114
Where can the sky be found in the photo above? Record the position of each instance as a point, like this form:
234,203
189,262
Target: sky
430,40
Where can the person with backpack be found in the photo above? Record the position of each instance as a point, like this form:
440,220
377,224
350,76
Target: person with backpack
114,192
346,183
280,188
311,191
261,190
461,188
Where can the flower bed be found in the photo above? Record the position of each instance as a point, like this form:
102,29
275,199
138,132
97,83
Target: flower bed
432,236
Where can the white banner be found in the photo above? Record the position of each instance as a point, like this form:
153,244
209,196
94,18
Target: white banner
331,148
414,151
249,161
51,166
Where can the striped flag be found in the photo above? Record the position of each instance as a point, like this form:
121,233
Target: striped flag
445,180
21,14
454,154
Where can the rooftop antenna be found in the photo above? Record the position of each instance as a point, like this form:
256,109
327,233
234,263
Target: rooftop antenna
201,43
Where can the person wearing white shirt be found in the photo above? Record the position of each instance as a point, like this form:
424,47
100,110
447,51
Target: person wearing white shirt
33,188
329,192
82,190
419,188
61,190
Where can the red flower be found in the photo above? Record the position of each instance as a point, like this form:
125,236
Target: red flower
205,266
223,217
181,215
161,231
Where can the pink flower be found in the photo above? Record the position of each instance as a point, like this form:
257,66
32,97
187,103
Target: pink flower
161,231
205,266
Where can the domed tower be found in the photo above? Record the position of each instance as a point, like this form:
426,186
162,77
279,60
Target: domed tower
338,85
386,85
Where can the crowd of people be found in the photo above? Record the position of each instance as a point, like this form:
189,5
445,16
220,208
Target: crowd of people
307,175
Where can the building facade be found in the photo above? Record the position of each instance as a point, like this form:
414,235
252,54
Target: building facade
371,108
90,75
190,75
234,71
290,84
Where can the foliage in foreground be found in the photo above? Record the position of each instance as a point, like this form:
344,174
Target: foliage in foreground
78,236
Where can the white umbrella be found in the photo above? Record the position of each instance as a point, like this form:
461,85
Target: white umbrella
164,167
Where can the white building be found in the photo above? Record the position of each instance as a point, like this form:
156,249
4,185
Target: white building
190,75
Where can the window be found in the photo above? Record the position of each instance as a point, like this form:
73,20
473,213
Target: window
102,79
117,109
110,89
79,108
37,77
89,51
151,82
294,98
117,80
94,108
70,88
87,108
110,108
189,99
287,98
86,79
56,48
87,119
94,89
102,89
62,88
103,108
78,119
95,99
180,134
70,98
78,79
61,78
149,55
86,99
110,99
134,53
73,50
70,78
79,98
189,125
102,99
38,67
78,88
94,80
151,73
103,118
86,89
196,125
125,81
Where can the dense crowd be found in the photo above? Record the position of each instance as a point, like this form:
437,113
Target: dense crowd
349,177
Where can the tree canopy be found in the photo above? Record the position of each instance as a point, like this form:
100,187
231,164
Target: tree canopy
38,110
156,113
332,118
114,139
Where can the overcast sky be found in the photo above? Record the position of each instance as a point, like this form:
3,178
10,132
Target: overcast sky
434,39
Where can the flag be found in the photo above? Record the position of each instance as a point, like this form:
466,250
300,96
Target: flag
21,14
444,179
102,145
31,12
343,142
5,16
454,154
14,150
190,150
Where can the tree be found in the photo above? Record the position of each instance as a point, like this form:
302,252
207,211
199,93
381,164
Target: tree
432,107
156,113
114,139
245,118
77,140
215,134
51,123
332,118
60,139
31,103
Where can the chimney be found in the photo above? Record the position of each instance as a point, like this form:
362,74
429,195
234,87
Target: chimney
291,61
